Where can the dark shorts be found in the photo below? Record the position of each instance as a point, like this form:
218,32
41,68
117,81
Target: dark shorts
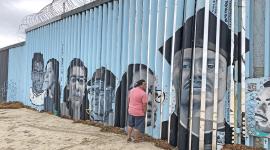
137,122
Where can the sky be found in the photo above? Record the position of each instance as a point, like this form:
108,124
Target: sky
12,13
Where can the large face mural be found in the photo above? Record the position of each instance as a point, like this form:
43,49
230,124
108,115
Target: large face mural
184,104
258,97
52,87
101,95
186,56
37,93
262,110
137,72
75,92
186,82
140,72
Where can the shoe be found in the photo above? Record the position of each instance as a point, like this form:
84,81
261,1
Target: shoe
129,140
138,140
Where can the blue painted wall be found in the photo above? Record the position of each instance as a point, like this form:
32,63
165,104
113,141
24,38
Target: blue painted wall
119,42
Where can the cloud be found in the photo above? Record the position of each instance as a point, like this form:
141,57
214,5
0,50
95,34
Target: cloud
30,5
12,13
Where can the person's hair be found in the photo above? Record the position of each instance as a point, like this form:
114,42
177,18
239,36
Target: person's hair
102,74
139,83
37,58
55,66
266,84
76,62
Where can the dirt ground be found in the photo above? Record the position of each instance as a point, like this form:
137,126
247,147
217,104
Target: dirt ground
27,129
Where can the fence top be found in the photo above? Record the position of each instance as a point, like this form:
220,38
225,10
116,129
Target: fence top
12,46
70,13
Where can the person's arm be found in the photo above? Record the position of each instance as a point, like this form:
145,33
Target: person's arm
144,100
128,100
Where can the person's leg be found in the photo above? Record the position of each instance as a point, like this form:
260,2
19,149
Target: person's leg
139,128
137,135
131,123
129,132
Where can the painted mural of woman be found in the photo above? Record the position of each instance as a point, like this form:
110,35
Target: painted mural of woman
52,87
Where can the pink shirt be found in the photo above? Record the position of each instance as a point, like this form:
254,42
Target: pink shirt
137,98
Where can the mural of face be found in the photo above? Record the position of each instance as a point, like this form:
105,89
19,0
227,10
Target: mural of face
49,77
76,84
37,77
186,70
262,111
101,97
152,103
101,94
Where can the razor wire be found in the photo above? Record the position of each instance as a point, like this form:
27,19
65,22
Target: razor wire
55,8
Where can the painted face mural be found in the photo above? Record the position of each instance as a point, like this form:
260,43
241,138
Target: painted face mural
262,110
136,72
75,91
153,94
37,76
52,87
187,62
49,77
182,80
183,64
77,84
258,97
37,73
101,89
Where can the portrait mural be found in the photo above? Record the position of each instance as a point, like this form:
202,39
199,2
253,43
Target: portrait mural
135,73
184,53
52,87
75,102
37,94
258,97
101,95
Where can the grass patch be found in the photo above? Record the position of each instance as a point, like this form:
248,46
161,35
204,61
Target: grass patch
239,147
11,105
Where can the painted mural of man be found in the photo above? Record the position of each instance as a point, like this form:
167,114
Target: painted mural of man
140,72
185,95
182,68
135,73
101,94
37,93
75,95
52,87
262,110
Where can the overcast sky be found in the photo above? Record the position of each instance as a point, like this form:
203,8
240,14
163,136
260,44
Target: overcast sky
11,14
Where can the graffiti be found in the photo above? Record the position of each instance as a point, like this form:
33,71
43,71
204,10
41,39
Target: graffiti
9,89
3,90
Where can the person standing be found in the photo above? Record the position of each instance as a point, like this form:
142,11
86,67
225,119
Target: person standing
137,106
